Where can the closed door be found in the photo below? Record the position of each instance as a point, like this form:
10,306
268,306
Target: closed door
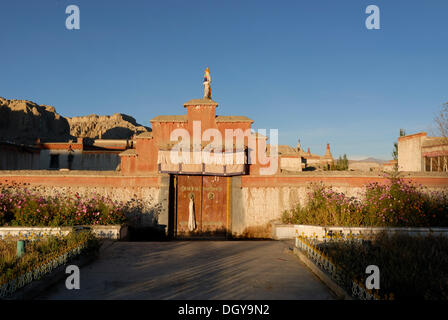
214,204
210,201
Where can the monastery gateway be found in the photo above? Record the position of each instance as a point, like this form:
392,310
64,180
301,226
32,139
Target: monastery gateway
198,174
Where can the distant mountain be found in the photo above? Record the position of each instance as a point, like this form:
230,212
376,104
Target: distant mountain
371,159
367,164
23,121
117,126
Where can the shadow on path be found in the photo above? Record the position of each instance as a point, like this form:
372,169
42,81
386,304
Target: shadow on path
195,270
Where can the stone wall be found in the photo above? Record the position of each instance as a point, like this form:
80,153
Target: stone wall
262,205
145,194
263,199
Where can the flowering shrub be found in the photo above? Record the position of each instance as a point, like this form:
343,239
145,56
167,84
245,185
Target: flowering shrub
20,206
402,204
395,204
325,207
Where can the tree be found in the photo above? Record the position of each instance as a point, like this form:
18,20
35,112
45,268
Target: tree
341,163
441,121
395,151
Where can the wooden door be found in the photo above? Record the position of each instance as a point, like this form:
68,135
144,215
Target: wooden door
211,204
187,186
214,205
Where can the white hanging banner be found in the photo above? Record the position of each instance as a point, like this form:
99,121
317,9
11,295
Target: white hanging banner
191,218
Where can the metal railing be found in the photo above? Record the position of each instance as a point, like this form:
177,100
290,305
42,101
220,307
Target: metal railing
45,267
309,246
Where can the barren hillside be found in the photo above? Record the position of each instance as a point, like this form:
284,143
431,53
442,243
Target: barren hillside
117,126
23,121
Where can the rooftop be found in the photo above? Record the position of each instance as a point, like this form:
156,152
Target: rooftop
435,141
129,152
286,150
144,135
175,118
201,102
233,119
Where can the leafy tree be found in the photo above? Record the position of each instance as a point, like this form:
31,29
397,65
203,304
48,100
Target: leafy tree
345,160
341,163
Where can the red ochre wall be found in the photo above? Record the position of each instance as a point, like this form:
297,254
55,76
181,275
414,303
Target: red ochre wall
105,179
347,180
162,130
204,114
145,160
79,180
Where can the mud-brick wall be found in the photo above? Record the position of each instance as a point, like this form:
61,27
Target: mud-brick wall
258,201
147,195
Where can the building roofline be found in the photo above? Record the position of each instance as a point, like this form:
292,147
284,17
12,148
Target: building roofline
412,136
200,102
227,119
170,118
128,153
145,135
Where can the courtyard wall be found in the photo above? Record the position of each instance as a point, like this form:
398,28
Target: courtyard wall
256,201
264,198
147,194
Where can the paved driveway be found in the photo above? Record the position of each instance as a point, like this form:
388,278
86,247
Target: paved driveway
194,270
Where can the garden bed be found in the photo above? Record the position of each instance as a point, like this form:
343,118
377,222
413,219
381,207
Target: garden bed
26,213
410,267
40,258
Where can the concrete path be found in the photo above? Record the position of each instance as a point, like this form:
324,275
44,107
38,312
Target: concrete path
195,270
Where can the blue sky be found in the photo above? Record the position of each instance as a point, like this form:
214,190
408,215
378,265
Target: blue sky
309,68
